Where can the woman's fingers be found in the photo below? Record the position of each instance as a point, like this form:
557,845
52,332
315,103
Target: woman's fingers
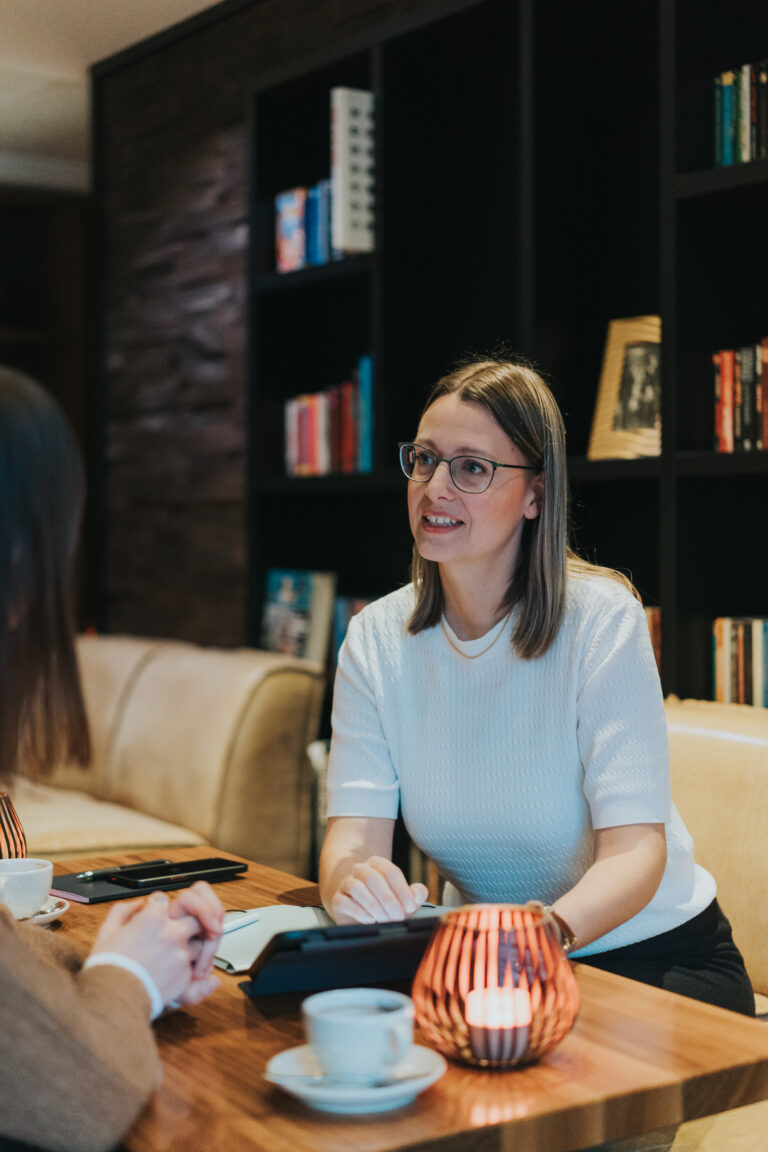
375,891
201,902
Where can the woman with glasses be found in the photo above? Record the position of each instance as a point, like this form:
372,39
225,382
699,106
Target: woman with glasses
508,701
77,1053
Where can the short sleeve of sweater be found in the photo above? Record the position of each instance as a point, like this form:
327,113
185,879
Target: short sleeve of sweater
622,731
362,780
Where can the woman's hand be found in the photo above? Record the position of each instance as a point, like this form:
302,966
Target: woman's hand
202,902
375,890
175,942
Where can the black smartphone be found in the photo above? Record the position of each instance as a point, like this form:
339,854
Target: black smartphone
179,873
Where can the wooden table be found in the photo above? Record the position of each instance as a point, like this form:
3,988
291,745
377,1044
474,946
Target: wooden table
637,1059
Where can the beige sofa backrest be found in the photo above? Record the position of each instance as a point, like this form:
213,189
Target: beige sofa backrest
214,740
719,768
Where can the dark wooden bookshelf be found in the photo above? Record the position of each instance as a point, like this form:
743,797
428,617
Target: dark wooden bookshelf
528,206
541,169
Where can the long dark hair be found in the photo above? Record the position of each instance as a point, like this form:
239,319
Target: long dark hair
42,715
525,409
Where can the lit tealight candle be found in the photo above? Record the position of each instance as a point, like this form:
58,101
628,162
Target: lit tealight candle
499,1022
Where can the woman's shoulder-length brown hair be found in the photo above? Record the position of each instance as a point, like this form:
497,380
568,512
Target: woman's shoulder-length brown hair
42,715
526,410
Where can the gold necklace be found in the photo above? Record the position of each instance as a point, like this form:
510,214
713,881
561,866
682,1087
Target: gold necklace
474,655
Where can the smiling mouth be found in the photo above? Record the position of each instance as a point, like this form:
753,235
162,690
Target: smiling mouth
442,522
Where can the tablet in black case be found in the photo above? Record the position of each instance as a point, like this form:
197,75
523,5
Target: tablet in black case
340,956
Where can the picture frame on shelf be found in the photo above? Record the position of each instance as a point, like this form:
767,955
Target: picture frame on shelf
627,417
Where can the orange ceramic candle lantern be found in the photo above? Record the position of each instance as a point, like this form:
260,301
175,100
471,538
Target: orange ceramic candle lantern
494,987
13,842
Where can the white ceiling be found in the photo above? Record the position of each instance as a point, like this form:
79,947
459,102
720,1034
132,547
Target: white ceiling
46,48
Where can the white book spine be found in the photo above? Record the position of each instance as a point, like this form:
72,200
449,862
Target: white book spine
323,435
757,663
746,111
291,410
352,170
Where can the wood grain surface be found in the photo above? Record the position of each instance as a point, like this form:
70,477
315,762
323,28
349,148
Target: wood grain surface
638,1058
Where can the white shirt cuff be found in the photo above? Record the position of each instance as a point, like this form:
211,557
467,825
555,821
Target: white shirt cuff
117,960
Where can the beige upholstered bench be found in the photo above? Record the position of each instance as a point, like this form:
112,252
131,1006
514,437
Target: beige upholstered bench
191,745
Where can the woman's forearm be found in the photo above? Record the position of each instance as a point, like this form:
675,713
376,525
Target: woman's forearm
628,866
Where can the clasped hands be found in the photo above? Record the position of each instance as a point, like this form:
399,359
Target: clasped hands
175,941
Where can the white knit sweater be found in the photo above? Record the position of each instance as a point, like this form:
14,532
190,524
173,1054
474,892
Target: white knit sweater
503,766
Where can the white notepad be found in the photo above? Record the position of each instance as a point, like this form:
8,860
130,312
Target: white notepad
240,947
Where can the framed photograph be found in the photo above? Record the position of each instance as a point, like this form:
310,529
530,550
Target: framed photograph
627,419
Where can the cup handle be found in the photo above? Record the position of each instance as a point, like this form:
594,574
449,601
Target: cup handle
401,1040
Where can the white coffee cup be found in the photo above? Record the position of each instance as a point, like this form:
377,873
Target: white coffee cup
359,1031
24,885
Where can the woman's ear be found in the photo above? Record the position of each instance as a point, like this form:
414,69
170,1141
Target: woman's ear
535,497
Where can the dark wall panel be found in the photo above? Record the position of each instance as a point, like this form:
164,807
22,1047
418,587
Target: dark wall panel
171,166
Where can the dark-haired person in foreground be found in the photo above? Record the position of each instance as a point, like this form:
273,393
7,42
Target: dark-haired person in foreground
77,1052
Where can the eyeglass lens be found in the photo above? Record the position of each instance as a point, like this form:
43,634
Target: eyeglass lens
469,473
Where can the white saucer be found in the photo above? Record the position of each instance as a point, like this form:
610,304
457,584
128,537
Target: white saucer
424,1065
50,911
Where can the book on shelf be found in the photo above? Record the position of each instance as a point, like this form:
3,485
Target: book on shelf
303,227
740,660
332,431
762,394
746,359
290,231
741,114
740,385
298,612
365,413
352,169
761,109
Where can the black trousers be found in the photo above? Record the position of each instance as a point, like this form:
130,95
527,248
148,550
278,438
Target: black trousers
698,959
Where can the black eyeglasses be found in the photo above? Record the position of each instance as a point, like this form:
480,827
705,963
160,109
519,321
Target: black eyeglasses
469,473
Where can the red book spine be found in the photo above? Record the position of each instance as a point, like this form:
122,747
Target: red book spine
718,437
348,427
334,419
759,396
764,379
726,399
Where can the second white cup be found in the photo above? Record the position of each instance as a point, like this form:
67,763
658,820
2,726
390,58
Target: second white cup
24,885
359,1031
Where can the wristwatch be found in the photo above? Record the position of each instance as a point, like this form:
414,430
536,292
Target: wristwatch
567,935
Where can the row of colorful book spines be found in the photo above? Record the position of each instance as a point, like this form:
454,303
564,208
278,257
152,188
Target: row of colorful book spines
329,431
741,393
303,229
741,114
740,660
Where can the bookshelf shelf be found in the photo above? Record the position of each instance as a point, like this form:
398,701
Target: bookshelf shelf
582,469
371,482
721,464
266,282
713,181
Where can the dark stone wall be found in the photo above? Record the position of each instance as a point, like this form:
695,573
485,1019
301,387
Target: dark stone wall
171,249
